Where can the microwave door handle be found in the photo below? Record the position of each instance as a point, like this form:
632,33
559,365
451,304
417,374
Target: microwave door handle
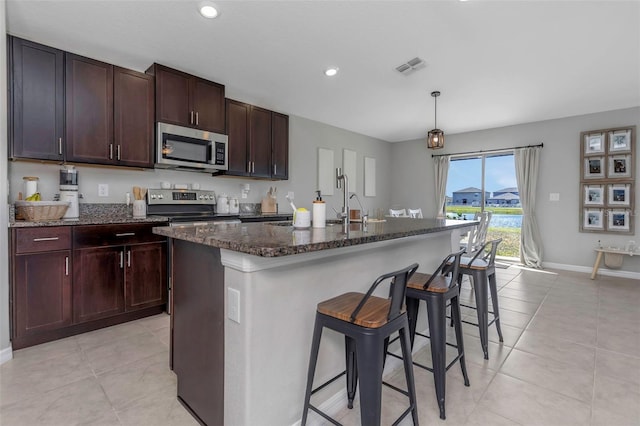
211,153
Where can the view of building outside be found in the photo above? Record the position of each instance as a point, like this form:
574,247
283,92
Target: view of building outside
465,197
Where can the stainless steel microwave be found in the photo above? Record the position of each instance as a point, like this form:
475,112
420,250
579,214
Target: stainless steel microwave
191,149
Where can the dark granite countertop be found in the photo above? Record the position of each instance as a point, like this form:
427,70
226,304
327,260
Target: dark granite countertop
281,239
91,214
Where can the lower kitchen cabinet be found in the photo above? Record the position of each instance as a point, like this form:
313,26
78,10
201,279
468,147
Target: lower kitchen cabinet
41,281
71,279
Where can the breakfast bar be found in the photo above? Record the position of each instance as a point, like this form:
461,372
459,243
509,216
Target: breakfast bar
244,299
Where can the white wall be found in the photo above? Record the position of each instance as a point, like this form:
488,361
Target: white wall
4,251
413,177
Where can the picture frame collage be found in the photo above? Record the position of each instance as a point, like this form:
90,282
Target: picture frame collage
607,180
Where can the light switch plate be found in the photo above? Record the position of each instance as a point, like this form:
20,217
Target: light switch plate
554,196
233,304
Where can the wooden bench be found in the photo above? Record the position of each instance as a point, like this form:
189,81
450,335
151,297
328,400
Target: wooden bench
615,254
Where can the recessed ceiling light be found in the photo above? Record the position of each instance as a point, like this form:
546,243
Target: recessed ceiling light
208,9
330,72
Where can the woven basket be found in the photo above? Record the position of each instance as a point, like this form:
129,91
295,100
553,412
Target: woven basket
38,211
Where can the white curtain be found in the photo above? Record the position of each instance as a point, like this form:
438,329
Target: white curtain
442,170
527,162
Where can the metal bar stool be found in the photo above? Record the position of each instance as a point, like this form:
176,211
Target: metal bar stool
367,322
481,268
437,290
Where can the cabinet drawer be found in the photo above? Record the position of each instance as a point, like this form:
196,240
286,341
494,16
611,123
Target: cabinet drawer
33,240
114,235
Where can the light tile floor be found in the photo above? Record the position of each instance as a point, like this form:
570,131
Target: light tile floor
571,355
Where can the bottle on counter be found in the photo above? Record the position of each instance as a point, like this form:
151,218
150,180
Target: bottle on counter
319,212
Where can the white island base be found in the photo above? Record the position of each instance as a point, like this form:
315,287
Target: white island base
267,352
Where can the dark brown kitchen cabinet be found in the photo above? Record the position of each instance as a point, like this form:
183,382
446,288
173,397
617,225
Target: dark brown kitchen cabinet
67,280
280,146
89,110
117,268
36,100
41,284
133,123
187,100
258,141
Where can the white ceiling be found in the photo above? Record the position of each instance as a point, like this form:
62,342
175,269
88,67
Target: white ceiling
497,63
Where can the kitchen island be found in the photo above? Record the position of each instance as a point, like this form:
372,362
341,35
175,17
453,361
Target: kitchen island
244,302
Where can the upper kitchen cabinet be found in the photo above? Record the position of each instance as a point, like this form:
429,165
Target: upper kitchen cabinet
280,145
133,96
89,111
187,100
258,141
36,99
65,107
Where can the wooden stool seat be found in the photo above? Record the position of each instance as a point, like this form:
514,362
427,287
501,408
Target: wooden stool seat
440,284
374,313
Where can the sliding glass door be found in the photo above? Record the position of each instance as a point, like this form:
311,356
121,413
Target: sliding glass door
487,182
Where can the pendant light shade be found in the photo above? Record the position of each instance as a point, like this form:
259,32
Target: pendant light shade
435,137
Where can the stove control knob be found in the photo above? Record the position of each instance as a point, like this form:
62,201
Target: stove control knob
201,197
160,196
153,196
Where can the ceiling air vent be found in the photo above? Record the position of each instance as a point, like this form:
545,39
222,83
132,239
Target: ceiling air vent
410,66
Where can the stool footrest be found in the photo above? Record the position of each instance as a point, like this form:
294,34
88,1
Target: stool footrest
328,382
429,337
324,415
424,367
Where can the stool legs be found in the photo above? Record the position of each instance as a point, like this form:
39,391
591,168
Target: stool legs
480,285
313,359
494,300
352,369
457,320
413,306
408,371
370,361
438,333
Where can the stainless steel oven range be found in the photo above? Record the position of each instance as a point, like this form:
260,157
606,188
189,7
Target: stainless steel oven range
184,207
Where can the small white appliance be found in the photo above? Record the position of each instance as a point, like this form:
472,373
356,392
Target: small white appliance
69,191
223,204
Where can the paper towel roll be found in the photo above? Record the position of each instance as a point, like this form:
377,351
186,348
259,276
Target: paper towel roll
319,214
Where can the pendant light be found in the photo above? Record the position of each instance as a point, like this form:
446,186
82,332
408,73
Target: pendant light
435,137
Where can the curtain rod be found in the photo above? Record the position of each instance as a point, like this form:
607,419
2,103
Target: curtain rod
489,150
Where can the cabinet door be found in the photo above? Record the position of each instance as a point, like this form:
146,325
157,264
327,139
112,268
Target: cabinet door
42,292
98,287
172,97
145,276
37,101
208,105
133,118
238,132
279,146
260,142
89,110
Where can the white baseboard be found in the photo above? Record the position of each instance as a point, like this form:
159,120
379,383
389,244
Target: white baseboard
6,354
588,270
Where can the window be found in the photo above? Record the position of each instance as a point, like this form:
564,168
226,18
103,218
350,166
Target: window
487,182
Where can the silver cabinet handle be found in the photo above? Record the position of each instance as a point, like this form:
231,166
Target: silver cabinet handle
253,167
197,119
122,259
129,258
275,169
249,167
60,146
126,234
191,117
110,151
66,265
118,152
46,239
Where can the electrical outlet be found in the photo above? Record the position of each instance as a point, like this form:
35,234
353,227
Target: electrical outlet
554,196
233,304
244,195
103,190
290,195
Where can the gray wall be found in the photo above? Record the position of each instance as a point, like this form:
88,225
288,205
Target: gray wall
413,170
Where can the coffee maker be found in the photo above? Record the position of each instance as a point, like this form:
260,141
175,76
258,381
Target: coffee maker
69,191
